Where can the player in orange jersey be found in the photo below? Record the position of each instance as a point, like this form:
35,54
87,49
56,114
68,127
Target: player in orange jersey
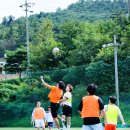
90,108
55,95
38,116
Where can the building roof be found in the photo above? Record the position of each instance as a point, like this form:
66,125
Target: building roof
2,61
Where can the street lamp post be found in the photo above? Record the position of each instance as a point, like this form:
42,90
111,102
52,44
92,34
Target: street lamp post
116,70
115,45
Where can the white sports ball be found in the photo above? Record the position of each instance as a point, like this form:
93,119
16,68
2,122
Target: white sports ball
55,50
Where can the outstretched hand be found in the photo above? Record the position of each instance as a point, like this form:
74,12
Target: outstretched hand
44,83
41,77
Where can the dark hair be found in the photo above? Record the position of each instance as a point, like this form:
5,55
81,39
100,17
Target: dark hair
61,85
112,99
92,89
38,101
70,87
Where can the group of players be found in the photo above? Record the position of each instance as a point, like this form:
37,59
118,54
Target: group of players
91,109
55,96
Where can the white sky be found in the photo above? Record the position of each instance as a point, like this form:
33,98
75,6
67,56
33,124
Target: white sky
11,7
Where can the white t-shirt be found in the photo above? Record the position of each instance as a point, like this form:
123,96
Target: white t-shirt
67,96
48,117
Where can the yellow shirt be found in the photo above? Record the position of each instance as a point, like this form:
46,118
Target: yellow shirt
112,112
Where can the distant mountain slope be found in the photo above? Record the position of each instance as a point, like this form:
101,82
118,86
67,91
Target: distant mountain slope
88,10
13,32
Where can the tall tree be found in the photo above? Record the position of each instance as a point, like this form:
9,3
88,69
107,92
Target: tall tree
16,61
41,52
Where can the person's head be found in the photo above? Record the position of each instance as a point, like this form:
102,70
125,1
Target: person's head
69,88
112,99
49,108
38,103
92,89
61,85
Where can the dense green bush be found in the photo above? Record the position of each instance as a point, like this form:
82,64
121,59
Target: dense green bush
103,75
13,81
9,86
21,98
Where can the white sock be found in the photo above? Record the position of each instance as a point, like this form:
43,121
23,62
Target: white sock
68,127
64,127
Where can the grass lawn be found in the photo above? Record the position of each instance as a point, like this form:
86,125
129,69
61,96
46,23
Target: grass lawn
48,129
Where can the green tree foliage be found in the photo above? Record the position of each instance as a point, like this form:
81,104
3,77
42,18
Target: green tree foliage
103,75
13,32
41,52
16,60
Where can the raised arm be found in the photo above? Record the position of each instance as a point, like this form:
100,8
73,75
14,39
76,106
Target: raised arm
44,83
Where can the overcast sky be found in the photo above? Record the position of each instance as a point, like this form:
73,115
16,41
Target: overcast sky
11,7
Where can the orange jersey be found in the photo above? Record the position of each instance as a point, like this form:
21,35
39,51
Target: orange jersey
38,113
55,94
90,106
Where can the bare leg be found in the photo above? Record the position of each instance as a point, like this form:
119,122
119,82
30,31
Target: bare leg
63,122
68,120
58,116
63,117
57,123
43,128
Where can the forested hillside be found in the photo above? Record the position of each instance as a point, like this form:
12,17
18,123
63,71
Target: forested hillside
13,32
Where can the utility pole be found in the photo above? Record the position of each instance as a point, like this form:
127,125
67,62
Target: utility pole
128,8
26,7
115,45
116,70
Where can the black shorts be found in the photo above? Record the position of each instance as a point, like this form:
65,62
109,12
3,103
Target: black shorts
50,124
67,111
54,109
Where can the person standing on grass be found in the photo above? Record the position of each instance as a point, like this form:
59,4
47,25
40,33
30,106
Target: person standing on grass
112,112
90,108
38,116
49,118
67,106
55,95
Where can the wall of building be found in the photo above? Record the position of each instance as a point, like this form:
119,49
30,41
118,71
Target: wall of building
8,76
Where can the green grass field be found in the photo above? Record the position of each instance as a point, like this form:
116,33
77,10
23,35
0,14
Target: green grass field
48,129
